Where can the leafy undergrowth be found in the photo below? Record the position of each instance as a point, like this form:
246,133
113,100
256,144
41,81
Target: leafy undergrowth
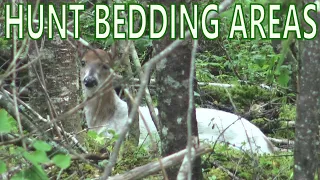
226,161
243,96
265,108
40,162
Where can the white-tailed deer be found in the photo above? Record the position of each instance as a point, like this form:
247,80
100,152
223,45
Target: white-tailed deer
108,111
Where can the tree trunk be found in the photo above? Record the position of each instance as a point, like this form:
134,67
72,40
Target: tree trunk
61,79
306,134
172,79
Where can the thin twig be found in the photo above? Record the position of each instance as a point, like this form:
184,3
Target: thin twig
14,65
191,105
137,64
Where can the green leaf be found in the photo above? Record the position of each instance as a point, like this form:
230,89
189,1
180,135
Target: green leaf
259,59
28,156
3,167
5,126
42,146
14,125
36,157
40,156
62,161
92,134
284,77
33,173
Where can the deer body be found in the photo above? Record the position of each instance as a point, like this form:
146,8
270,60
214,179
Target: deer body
101,116
108,111
221,126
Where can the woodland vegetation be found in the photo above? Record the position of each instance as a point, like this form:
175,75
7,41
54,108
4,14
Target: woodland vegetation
274,84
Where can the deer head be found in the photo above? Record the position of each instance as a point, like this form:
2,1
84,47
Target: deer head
95,69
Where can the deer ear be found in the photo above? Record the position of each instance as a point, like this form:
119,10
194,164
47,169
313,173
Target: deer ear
81,50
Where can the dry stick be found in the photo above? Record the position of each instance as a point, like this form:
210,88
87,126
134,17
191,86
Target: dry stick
153,167
26,40
239,164
75,156
38,116
235,72
184,168
235,108
190,107
7,139
151,136
154,117
8,73
124,27
137,64
226,171
33,112
148,66
26,86
25,44
48,100
282,141
42,82
14,63
126,91
143,84
5,102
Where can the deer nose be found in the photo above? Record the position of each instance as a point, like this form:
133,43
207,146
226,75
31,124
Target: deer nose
90,81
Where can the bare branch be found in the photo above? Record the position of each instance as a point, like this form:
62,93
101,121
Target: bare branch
153,167
191,107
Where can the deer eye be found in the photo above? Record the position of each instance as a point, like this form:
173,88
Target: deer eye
83,63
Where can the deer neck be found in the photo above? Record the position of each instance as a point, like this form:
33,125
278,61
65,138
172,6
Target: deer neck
100,109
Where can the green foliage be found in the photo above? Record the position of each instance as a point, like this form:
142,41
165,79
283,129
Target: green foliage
216,174
36,157
42,146
246,166
35,172
95,142
3,167
5,122
131,157
4,44
250,60
31,161
142,43
5,126
62,161
242,96
288,112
